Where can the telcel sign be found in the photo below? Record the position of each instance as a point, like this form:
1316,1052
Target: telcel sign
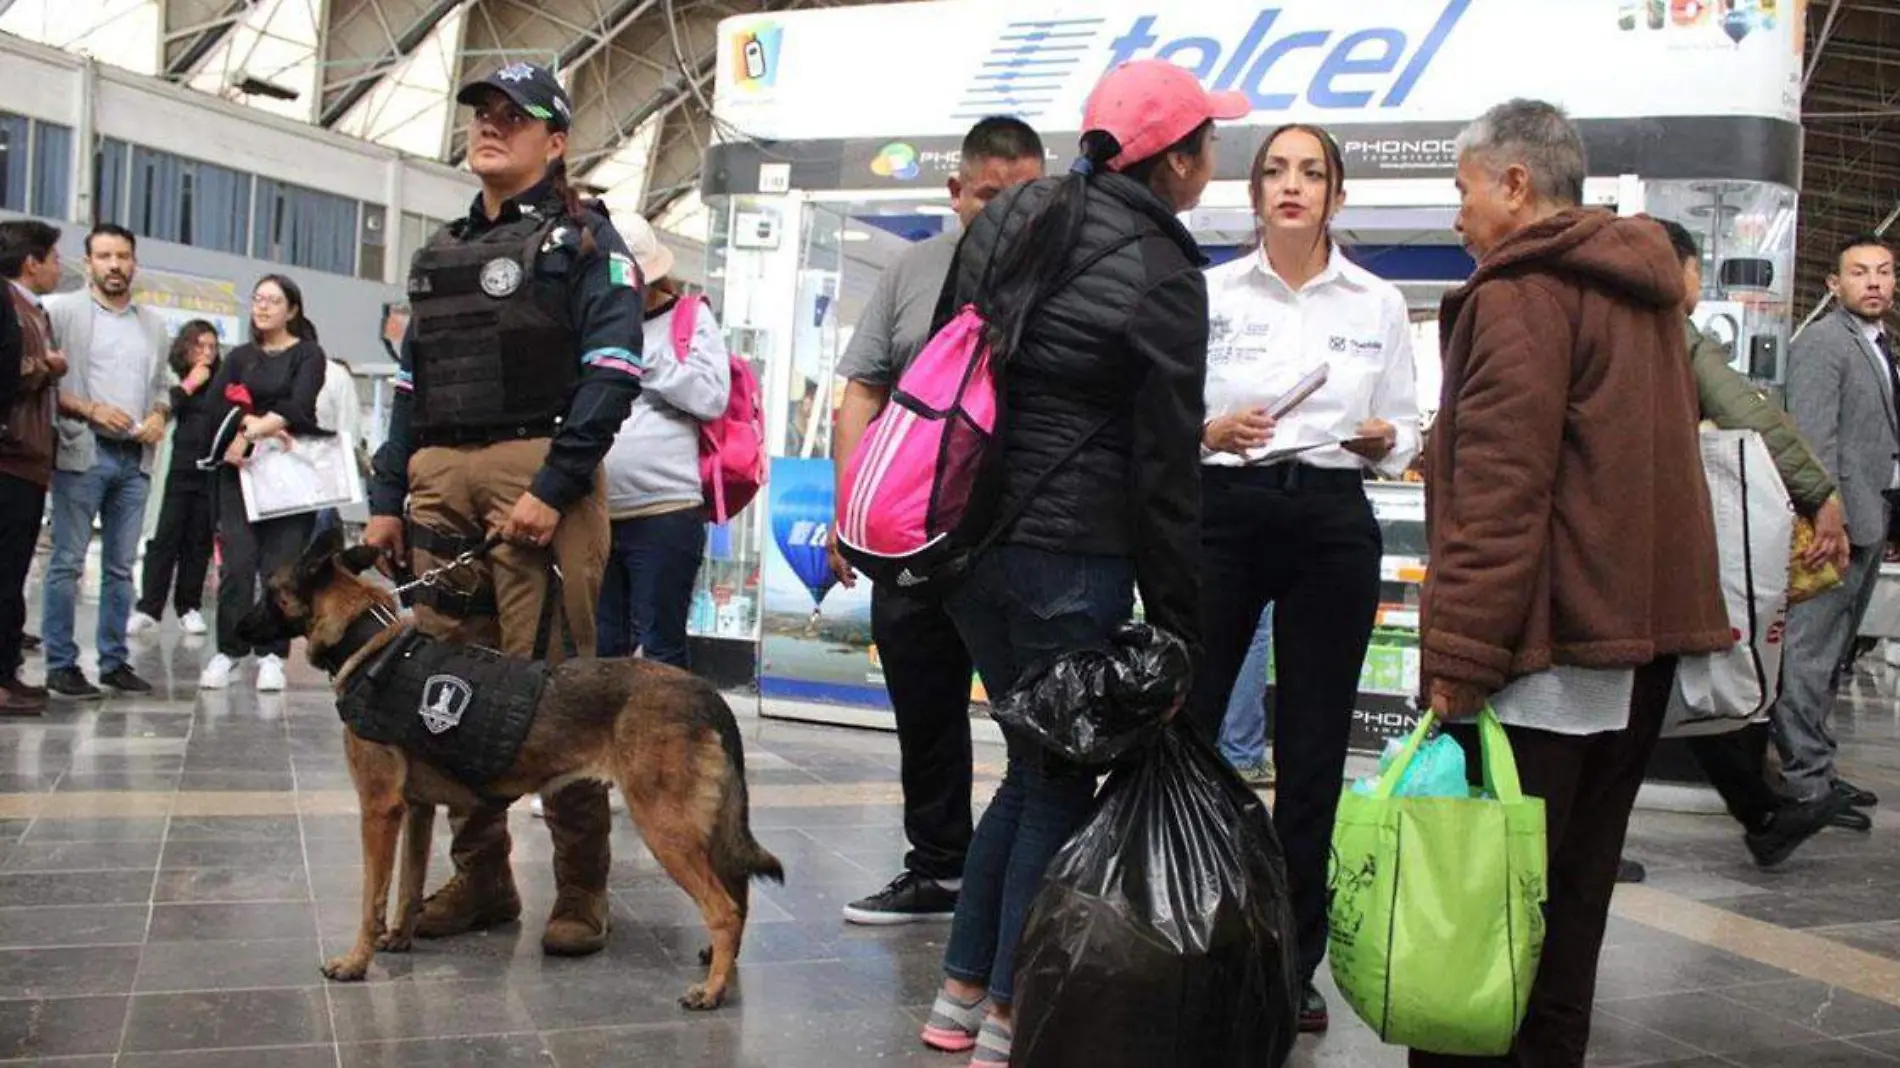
1374,67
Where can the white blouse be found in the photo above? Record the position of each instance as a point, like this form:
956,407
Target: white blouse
1264,338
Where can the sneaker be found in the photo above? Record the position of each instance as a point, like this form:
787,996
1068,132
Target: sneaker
1314,1019
20,706
71,682
1631,871
1856,796
217,673
1791,825
270,674
20,691
910,898
140,624
193,622
125,680
1260,776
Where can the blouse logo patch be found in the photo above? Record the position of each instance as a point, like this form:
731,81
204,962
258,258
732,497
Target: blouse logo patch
501,277
444,699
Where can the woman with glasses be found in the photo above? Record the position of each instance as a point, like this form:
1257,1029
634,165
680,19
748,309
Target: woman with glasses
523,358
272,385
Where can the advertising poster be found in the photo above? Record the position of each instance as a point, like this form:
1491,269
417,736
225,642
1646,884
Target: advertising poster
816,639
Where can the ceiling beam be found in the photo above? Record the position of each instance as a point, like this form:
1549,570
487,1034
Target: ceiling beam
204,38
1820,45
355,87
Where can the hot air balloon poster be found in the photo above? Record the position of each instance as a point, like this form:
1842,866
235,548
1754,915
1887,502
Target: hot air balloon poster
817,633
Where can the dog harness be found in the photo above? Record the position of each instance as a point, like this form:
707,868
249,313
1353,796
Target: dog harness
465,709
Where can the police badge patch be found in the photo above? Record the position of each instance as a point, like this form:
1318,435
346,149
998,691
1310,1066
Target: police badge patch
501,277
444,699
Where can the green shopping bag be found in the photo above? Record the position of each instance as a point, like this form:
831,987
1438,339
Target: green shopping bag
1436,906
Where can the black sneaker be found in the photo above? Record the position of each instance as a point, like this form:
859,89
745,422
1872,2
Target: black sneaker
1852,819
1314,1019
125,680
1791,825
1631,871
910,898
1856,796
71,682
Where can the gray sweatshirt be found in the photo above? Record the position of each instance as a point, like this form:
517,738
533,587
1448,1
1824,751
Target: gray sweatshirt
654,462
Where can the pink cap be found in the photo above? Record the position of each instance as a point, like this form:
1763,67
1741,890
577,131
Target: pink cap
1149,104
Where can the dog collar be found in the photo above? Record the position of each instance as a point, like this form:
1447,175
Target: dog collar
362,630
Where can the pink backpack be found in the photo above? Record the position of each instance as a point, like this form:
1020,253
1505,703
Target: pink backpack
732,465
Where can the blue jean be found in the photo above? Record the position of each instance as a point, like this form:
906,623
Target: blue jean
1243,734
1018,606
647,590
114,491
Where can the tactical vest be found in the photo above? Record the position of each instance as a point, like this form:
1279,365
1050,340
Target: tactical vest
493,356
462,708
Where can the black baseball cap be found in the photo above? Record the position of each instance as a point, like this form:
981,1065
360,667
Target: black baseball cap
533,89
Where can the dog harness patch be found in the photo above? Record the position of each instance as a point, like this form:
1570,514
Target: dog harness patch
463,708
444,699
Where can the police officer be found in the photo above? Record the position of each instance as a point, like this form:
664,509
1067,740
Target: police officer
522,359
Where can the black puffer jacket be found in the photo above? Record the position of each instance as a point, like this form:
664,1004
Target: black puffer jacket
1126,336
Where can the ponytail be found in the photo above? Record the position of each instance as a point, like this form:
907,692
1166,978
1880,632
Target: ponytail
1035,260
570,198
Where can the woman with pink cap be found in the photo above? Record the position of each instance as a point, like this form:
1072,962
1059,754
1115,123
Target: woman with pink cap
1097,323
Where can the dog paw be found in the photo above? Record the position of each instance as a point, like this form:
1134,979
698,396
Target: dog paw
394,943
700,999
345,969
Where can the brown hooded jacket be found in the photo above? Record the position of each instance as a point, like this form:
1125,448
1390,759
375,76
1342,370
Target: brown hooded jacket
1567,516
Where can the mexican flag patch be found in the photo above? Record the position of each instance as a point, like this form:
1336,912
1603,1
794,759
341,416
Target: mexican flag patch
622,272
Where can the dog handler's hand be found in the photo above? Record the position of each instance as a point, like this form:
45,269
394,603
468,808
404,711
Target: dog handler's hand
384,532
531,522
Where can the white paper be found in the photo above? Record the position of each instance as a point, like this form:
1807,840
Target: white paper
315,473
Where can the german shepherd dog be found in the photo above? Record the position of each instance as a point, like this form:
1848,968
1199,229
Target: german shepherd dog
664,736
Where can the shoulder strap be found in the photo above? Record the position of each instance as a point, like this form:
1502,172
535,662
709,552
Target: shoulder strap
685,321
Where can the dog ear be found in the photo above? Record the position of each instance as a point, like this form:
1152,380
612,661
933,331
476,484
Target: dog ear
317,556
359,558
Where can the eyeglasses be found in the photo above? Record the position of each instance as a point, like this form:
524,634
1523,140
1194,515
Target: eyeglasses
504,117
266,300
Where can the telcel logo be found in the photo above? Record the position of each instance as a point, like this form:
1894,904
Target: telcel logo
1345,76
755,56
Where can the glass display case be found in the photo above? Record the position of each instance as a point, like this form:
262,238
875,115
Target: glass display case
1747,232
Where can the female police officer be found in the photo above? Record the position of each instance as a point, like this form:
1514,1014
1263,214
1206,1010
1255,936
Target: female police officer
521,362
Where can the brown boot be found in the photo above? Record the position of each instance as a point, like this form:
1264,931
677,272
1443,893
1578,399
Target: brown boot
481,893
579,821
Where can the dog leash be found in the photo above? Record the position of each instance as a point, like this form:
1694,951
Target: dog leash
434,575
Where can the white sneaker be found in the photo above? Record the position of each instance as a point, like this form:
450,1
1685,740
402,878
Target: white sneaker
140,623
270,674
217,673
193,622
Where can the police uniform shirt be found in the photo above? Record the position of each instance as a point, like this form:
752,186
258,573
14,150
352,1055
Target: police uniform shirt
1264,337
606,308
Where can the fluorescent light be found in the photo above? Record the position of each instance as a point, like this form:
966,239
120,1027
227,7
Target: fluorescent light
856,235
935,209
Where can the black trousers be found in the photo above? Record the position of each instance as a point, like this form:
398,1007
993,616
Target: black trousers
1736,764
252,552
181,545
927,671
22,506
1588,784
1306,541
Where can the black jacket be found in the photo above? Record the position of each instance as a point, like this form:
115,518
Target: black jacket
1126,339
195,418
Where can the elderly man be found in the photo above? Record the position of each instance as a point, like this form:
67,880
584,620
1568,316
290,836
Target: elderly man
1572,548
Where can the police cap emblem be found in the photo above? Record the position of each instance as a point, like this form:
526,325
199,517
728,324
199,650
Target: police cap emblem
501,277
444,699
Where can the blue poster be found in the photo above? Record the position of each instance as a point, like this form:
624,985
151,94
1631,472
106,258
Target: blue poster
816,644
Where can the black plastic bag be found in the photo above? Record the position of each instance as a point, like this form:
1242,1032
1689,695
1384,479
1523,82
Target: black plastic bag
1093,705
1163,933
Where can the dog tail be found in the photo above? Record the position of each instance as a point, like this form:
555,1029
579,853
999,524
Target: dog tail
737,856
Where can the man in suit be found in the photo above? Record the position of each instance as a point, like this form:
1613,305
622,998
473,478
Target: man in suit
1842,386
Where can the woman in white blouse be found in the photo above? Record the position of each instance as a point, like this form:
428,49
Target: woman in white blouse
1309,389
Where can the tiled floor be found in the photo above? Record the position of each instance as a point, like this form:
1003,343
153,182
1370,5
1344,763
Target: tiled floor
172,870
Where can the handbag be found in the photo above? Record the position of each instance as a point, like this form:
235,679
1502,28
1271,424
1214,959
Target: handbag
1436,905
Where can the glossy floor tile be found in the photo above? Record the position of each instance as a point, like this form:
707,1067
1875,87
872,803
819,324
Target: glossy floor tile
174,869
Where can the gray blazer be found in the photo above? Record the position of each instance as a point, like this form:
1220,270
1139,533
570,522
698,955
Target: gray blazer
1842,401
71,314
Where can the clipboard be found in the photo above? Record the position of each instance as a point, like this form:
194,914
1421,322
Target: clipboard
1275,456
1301,390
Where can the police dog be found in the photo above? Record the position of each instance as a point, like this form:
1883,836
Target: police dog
664,736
